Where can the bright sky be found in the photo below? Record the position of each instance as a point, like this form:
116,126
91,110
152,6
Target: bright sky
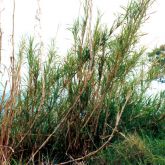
58,15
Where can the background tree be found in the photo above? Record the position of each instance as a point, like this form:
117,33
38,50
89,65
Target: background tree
157,56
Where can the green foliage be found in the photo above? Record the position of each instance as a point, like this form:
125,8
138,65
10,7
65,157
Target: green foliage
133,150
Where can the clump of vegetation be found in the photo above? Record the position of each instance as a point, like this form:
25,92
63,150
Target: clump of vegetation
72,110
132,150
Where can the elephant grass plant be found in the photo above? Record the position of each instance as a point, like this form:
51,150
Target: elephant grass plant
90,98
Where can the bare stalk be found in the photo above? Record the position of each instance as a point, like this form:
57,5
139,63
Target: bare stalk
12,42
1,9
39,33
0,43
90,4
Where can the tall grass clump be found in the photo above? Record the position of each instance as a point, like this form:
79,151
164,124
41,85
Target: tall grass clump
91,99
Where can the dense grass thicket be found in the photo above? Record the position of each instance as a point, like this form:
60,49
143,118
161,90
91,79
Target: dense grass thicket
90,107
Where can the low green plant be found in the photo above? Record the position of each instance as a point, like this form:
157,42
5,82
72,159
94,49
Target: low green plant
133,150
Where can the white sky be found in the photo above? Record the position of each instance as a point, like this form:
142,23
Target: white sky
58,15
